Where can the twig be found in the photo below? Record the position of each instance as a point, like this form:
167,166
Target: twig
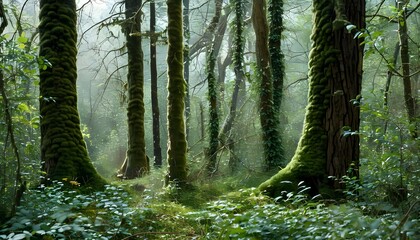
404,219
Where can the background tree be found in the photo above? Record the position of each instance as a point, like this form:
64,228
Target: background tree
410,101
186,27
275,13
154,87
136,163
213,92
225,135
213,125
177,143
63,150
328,146
273,151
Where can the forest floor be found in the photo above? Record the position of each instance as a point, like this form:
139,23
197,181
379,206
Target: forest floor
217,208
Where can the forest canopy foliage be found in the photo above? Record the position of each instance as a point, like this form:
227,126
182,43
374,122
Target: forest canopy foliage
209,79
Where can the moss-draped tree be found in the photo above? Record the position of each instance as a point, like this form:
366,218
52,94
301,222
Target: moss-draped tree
177,146
273,151
213,92
63,150
328,145
213,126
136,163
275,12
225,135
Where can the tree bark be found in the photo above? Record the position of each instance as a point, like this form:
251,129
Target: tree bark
213,125
63,150
328,145
275,10
410,102
157,150
186,25
273,151
136,163
177,146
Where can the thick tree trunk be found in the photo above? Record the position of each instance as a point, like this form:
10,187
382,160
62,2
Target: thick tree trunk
63,150
273,151
328,146
157,150
136,163
177,146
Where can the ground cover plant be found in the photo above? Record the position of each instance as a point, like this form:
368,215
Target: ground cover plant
61,211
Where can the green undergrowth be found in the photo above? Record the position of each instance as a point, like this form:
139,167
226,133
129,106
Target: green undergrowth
137,209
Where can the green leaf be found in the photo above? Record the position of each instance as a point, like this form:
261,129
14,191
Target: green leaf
19,236
22,38
24,108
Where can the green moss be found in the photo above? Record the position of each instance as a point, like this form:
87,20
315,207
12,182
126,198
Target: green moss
63,150
177,145
309,160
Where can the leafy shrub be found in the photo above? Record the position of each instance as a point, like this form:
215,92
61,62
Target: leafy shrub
296,217
56,212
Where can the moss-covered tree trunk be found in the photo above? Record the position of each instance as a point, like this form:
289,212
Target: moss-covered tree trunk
177,146
213,92
275,12
225,135
63,150
157,150
327,146
273,151
213,126
136,163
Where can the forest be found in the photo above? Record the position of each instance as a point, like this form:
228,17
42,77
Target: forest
209,119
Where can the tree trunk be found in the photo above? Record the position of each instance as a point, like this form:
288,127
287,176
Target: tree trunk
410,102
328,145
213,92
157,151
63,150
186,25
213,125
177,146
238,52
275,10
273,151
136,163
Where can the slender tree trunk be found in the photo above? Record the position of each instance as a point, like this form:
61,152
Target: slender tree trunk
328,145
273,152
410,102
186,25
275,10
63,150
238,52
136,163
213,92
154,89
388,83
213,125
177,146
